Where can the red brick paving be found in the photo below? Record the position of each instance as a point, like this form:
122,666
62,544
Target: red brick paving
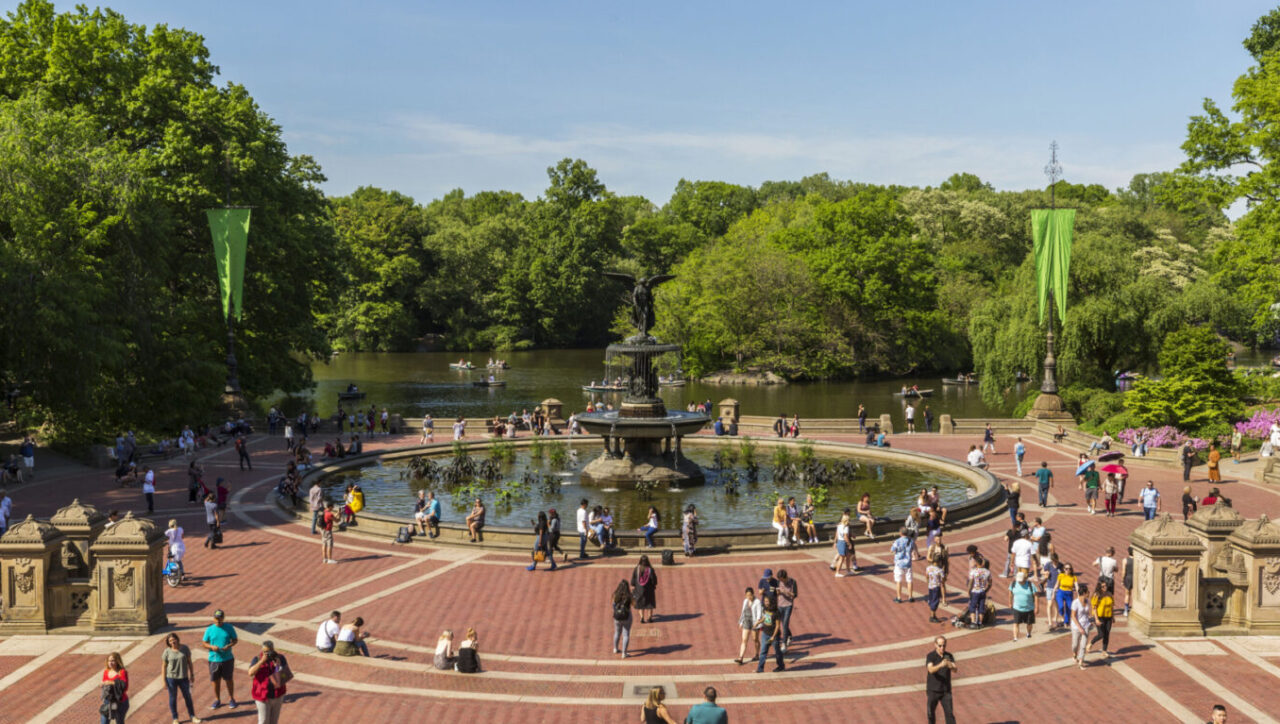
564,617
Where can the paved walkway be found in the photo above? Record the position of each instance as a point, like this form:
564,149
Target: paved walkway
545,637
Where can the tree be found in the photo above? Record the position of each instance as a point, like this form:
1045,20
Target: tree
1197,391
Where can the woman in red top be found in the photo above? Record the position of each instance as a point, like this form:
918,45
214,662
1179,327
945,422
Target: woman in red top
115,671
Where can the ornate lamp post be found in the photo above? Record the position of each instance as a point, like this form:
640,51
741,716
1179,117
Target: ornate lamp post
1052,230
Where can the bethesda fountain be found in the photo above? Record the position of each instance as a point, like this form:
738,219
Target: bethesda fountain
642,438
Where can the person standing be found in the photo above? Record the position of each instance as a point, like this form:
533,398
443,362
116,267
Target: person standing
1022,599
901,550
288,434
176,667
788,589
459,428
689,530
979,584
327,521
939,666
1019,451
934,574
780,426
1081,616
242,449
1215,457
644,584
582,530
989,439
315,503
621,617
1188,503
1188,456
928,419
28,452
218,640
1150,498
862,418
270,674
910,413
117,701
213,518
707,712
770,635
1044,480
149,488
428,430
840,563
748,623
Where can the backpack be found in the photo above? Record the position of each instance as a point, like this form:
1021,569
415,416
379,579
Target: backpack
404,536
621,612
668,558
468,661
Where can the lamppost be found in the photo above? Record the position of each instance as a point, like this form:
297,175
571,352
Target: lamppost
229,226
1052,230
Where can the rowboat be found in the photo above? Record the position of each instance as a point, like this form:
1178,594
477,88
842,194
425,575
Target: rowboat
673,383
604,388
958,381
489,383
461,366
498,366
350,396
914,393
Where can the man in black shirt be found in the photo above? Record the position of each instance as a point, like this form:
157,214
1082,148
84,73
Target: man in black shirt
939,664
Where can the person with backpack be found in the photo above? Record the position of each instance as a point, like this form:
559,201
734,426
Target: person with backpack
621,617
644,584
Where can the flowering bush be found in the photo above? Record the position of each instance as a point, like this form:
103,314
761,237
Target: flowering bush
1165,436
1258,426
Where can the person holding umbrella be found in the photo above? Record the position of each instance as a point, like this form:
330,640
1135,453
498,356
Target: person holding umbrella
1113,490
1089,483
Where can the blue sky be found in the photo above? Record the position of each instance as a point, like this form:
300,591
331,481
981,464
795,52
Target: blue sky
427,97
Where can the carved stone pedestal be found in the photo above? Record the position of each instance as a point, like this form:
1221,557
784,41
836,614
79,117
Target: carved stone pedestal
1166,579
1256,561
28,561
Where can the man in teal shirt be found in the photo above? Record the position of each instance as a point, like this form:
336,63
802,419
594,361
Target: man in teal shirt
1045,478
218,639
707,712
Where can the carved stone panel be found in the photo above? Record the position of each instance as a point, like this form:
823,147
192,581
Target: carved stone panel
1269,578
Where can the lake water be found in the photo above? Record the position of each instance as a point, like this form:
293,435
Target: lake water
727,500
416,383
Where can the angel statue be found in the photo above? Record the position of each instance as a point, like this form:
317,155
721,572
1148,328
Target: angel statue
641,297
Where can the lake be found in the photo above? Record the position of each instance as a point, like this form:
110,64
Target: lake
415,383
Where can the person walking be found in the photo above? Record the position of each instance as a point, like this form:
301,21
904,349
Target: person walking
212,518
1237,446
939,666
242,449
1044,480
707,712
1215,457
788,589
840,562
541,543
621,604
928,419
1090,483
644,584
315,503
428,430
270,674
582,530
1022,599
654,711
749,623
1066,591
1110,494
328,520
1019,451
1013,499
1103,604
770,635
176,667
1081,616
115,694
149,488
989,439
901,550
219,638
1150,499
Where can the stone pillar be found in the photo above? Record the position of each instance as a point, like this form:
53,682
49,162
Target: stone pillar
728,411
395,423
946,426
886,424
80,524
128,587
1265,467
1212,524
552,407
28,560
1257,558
1166,579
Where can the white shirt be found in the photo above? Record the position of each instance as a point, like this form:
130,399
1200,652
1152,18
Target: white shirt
326,634
1022,551
911,412
582,520
210,512
1106,566
842,532
347,634
458,428
976,458
149,482
176,543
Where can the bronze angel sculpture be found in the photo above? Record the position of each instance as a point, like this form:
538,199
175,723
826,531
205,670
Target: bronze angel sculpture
641,297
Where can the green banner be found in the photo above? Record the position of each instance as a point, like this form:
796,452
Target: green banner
1051,229
230,228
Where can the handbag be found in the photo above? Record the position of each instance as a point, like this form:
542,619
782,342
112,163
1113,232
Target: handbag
539,556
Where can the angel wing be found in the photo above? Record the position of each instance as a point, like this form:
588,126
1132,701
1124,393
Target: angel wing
626,278
657,279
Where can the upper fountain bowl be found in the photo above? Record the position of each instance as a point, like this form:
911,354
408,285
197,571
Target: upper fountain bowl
612,423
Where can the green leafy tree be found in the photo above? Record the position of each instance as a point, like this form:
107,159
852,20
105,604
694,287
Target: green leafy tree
1197,391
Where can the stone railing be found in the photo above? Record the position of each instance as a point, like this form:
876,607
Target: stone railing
986,501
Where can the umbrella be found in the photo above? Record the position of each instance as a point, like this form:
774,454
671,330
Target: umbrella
1084,466
1118,469
1113,455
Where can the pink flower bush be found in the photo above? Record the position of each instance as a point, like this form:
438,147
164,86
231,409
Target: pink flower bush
1166,436
1258,426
